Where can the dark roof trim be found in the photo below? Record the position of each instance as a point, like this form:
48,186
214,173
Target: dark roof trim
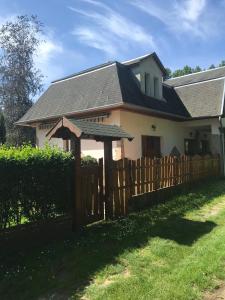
152,112
125,106
203,118
74,113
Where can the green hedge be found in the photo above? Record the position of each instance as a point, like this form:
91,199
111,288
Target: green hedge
35,184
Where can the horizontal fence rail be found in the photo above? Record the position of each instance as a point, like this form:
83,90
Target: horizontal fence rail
135,177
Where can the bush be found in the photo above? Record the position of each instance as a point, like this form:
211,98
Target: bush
35,184
88,160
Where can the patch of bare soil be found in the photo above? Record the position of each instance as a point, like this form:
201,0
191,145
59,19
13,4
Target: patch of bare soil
213,211
111,279
218,294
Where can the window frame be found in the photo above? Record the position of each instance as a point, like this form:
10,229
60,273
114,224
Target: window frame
147,79
156,87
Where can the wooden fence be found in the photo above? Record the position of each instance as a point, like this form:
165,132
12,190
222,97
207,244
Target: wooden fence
145,175
91,181
129,178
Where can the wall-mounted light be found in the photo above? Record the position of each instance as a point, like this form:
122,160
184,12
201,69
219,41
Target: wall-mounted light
153,127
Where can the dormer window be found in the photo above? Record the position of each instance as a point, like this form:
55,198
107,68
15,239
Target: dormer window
147,84
156,87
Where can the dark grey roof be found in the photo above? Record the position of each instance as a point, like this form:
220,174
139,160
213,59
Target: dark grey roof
85,71
113,84
83,92
139,59
202,99
89,128
196,77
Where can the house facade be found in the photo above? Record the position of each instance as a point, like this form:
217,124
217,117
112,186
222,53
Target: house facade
175,116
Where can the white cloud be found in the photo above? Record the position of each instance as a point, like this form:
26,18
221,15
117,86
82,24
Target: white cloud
48,50
109,30
93,39
187,16
191,10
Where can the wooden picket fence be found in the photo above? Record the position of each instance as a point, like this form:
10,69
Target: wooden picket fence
135,177
91,180
146,175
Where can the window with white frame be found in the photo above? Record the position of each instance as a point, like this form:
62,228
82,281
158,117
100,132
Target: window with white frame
156,87
147,84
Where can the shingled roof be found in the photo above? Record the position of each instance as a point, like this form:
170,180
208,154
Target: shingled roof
201,93
113,84
196,77
104,87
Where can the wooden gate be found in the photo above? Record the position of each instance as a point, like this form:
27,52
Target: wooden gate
91,180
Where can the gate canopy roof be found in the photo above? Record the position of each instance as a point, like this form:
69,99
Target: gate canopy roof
84,129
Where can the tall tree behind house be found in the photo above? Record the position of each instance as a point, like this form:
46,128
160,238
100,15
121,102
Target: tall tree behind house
20,81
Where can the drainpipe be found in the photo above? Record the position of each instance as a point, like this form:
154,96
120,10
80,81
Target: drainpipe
222,145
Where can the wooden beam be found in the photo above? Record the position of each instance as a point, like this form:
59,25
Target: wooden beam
64,123
78,214
107,168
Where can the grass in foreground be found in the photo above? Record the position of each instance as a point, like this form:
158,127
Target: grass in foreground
172,251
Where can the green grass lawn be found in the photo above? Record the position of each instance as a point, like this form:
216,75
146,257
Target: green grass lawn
172,251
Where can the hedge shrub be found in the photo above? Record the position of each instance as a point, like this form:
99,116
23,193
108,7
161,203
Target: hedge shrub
35,184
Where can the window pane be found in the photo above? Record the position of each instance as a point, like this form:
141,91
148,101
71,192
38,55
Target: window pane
156,87
147,84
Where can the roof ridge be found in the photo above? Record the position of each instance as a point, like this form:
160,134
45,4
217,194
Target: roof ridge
95,68
191,74
139,57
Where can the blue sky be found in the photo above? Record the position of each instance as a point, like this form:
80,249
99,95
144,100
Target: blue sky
82,33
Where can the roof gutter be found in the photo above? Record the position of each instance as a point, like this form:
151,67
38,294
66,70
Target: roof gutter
121,105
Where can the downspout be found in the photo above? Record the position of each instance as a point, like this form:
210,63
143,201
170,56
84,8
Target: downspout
222,146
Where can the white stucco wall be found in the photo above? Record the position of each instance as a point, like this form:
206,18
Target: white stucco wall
171,134
41,139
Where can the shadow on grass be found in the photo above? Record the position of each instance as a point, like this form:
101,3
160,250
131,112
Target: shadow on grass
54,263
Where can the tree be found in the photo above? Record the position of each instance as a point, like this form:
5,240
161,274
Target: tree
188,70
212,67
168,73
196,69
2,128
20,81
222,64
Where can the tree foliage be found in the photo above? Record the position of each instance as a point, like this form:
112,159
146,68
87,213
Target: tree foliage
20,81
189,70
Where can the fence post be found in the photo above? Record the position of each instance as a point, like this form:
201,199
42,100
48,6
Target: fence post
100,183
108,177
156,172
175,170
78,207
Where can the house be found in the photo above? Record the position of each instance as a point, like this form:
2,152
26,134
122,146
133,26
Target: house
175,116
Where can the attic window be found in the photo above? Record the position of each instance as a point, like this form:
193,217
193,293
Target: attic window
147,84
156,87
